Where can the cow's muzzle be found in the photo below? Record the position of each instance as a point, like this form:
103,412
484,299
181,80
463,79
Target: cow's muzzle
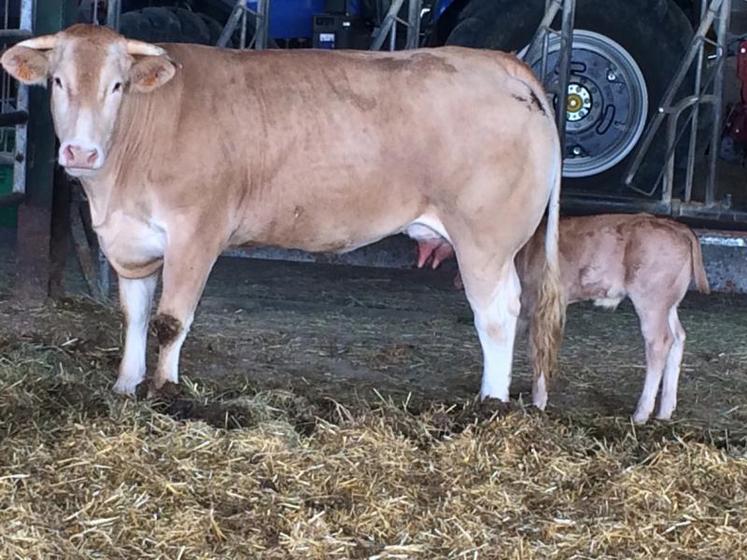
79,156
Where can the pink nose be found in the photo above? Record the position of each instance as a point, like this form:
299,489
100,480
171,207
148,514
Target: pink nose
79,157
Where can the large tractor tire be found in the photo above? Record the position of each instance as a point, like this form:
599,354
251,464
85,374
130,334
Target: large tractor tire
625,54
170,25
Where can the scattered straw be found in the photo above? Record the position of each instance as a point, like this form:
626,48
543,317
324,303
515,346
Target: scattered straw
246,474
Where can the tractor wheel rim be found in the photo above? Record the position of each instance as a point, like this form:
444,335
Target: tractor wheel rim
606,106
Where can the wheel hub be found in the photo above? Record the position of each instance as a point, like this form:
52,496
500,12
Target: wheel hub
578,102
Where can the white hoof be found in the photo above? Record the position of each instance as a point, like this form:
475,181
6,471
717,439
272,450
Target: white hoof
540,401
539,392
126,386
640,418
665,415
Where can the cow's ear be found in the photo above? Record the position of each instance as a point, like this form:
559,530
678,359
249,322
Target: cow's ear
151,72
28,66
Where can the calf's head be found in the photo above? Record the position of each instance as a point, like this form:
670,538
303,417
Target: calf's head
89,70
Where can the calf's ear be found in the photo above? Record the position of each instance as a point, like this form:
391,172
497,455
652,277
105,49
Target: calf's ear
28,66
151,72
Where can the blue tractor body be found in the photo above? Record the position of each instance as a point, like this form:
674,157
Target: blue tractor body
292,19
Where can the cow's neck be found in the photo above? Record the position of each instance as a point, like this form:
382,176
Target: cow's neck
129,145
98,191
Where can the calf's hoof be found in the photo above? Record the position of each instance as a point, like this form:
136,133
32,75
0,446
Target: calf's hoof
539,392
540,401
664,416
640,418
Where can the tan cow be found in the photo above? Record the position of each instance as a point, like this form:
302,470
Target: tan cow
186,150
606,258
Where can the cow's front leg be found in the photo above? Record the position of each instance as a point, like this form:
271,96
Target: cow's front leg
136,299
185,272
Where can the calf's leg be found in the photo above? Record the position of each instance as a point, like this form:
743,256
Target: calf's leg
187,264
658,339
136,299
672,369
494,298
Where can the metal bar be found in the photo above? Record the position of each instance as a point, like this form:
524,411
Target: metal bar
7,159
393,35
12,199
242,41
655,123
386,25
668,171
14,118
113,11
104,276
545,48
263,25
718,93
233,21
259,41
544,25
413,24
22,104
564,68
690,171
83,251
9,34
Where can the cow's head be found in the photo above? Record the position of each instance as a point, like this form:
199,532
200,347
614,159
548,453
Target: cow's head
89,69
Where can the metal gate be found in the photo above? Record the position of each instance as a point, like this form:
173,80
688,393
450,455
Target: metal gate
14,102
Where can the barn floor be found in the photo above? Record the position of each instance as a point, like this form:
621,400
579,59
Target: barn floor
348,333
346,397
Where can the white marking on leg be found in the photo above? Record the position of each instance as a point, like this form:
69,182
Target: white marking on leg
539,391
496,328
168,359
136,298
672,370
657,349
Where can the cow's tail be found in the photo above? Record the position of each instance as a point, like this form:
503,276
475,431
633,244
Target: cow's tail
548,320
696,257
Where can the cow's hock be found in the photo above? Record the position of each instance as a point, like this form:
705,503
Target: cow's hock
166,328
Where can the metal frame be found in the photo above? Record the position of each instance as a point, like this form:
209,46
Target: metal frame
669,109
238,17
567,8
18,117
389,26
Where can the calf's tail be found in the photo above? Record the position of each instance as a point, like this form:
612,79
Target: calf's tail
699,274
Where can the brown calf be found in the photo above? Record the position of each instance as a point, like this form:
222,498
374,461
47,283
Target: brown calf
606,258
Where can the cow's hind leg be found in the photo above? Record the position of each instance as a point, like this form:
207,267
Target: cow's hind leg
658,339
672,369
136,299
185,272
494,298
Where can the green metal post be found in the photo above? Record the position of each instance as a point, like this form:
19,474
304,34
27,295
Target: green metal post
34,234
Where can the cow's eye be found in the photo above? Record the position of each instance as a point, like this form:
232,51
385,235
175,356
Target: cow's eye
117,87
58,82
